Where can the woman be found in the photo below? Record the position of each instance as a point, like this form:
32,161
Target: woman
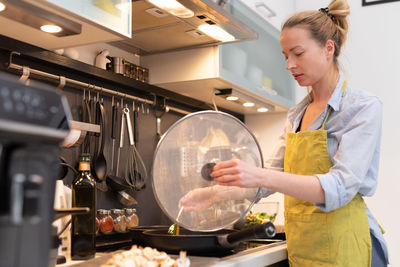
329,152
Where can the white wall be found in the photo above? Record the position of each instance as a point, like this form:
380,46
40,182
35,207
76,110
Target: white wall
267,129
371,60
88,53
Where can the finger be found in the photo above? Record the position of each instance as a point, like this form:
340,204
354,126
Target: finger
226,164
226,171
227,178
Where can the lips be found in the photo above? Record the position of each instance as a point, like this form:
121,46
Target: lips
297,76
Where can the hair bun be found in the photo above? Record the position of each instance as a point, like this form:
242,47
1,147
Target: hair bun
340,9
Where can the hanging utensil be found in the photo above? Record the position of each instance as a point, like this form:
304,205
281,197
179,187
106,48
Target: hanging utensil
126,199
134,120
135,171
100,163
158,115
86,117
115,182
121,138
113,130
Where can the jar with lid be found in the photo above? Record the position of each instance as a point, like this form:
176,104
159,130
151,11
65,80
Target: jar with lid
97,223
119,220
131,218
106,222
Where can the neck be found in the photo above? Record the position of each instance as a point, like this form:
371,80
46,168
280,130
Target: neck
323,89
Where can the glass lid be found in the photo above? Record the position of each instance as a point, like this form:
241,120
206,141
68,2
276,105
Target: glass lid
183,160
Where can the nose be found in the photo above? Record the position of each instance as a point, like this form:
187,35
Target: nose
290,64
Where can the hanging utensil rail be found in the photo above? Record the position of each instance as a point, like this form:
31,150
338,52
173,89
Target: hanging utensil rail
26,71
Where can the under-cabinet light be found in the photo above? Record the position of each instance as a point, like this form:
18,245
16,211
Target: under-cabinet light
123,7
244,99
2,6
232,98
262,110
248,104
216,32
51,28
36,17
173,7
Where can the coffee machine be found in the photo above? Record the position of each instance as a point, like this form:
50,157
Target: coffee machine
34,120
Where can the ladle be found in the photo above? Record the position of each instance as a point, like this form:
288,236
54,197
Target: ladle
99,162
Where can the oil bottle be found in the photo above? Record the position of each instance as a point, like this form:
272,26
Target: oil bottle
83,232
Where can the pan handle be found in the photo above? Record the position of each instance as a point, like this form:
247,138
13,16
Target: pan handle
266,230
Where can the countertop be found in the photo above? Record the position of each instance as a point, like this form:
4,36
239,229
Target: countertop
255,257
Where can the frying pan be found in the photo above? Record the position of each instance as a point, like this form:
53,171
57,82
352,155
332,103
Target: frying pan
137,232
205,242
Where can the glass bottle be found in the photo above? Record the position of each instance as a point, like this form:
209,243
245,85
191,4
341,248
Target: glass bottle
106,222
131,218
119,220
83,232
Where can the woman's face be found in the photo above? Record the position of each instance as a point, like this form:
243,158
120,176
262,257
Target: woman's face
306,59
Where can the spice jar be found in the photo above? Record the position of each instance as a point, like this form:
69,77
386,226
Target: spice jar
106,222
131,218
97,225
119,220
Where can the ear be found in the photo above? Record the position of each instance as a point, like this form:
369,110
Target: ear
329,49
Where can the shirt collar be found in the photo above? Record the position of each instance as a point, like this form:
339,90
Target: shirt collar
296,113
336,97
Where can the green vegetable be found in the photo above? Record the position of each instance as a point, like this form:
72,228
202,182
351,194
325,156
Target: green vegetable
174,231
259,218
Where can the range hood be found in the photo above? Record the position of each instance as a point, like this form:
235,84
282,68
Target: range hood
155,30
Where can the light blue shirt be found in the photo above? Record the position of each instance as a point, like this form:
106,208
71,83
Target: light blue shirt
354,135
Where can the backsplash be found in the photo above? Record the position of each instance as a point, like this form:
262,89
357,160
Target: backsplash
147,209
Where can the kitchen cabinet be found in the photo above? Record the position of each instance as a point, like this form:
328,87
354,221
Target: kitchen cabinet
255,70
258,65
83,22
275,12
111,14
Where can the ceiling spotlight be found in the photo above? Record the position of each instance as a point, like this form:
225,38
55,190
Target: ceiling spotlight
232,98
248,104
2,6
51,28
262,109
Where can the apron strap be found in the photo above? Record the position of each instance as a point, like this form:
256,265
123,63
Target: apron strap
330,108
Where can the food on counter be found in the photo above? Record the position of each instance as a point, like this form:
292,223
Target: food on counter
259,218
146,257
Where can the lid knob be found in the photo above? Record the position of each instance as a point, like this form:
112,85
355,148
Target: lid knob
206,171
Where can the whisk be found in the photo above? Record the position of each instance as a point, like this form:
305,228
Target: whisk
135,170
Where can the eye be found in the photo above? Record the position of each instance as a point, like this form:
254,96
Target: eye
299,54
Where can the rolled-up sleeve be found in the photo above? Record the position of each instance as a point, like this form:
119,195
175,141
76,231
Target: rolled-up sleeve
358,145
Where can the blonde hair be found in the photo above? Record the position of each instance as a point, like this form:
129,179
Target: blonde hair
325,24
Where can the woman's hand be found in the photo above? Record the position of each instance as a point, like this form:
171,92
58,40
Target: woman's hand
198,199
236,172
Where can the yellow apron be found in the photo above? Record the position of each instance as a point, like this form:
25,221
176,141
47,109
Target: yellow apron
314,237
